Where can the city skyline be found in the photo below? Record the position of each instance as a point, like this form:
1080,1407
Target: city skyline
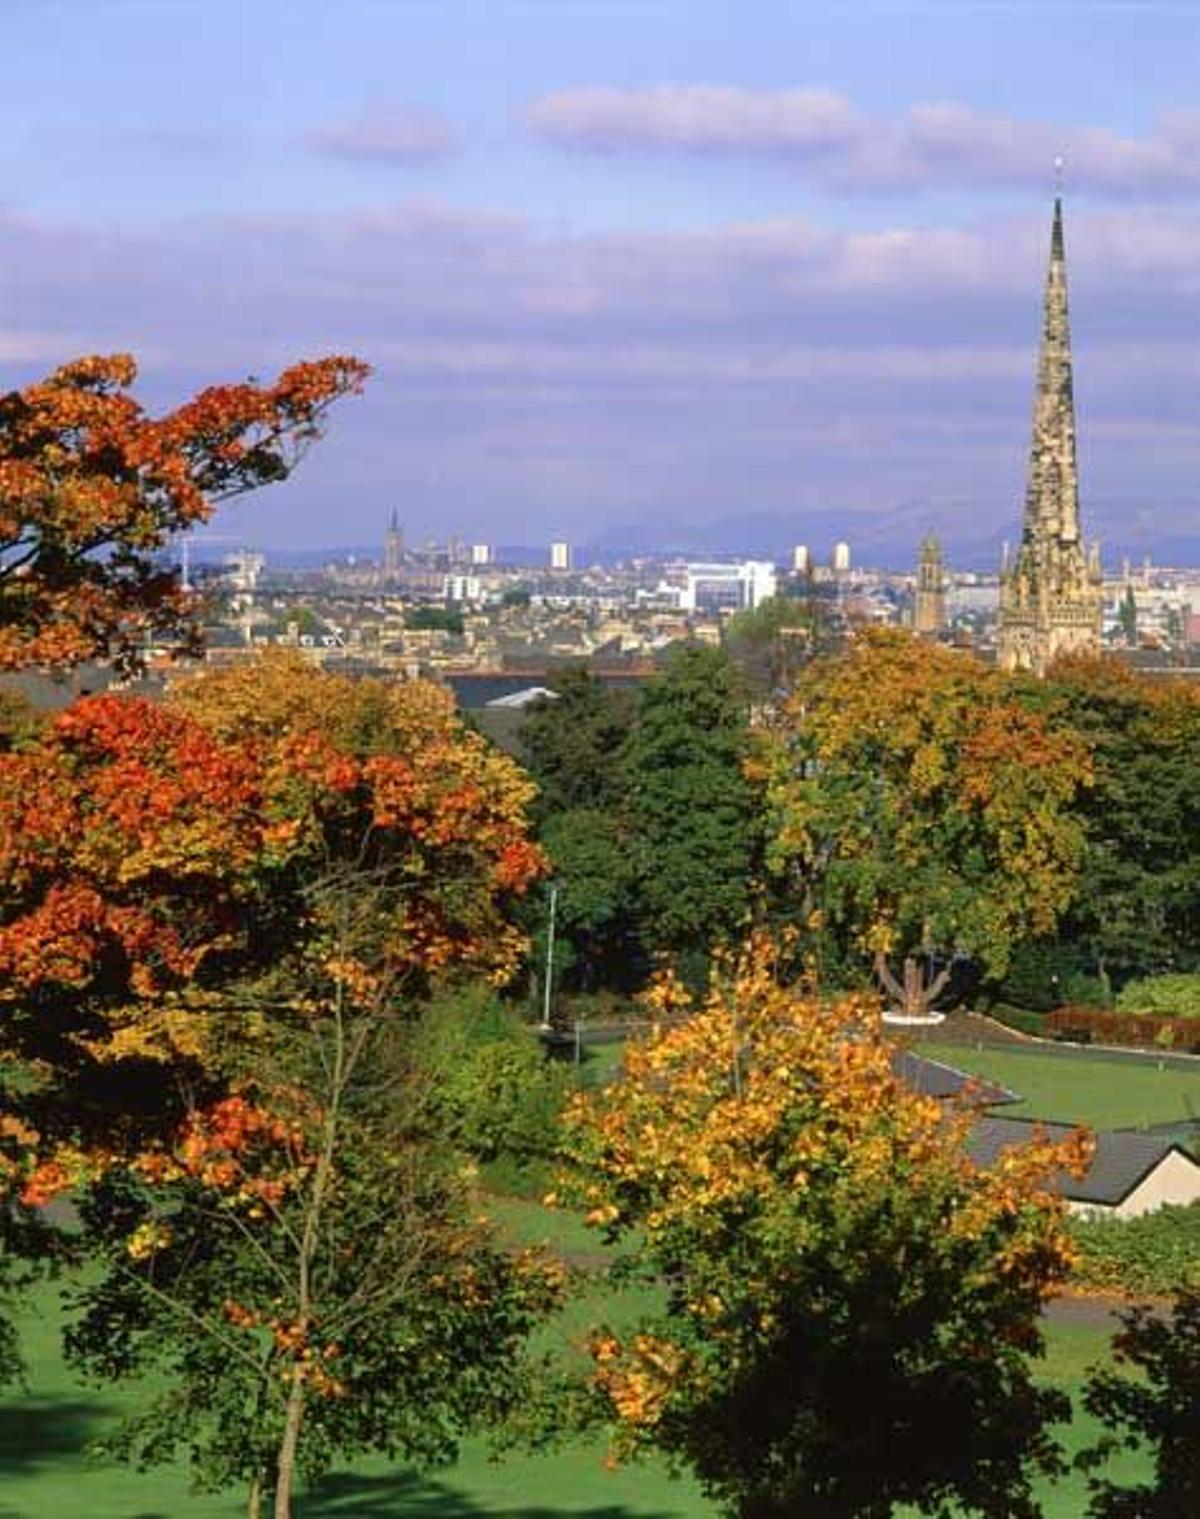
633,269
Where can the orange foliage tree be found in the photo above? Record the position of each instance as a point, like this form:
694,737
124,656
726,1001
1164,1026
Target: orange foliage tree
918,810
218,914
851,1304
92,489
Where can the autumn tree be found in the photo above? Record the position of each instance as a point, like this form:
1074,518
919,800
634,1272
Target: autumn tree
92,490
301,1264
918,811
180,881
852,1307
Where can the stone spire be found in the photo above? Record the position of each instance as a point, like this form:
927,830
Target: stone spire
1050,593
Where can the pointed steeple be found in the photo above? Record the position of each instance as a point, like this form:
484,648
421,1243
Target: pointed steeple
1050,593
1052,494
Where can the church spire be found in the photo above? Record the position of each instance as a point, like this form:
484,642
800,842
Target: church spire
1050,593
1052,494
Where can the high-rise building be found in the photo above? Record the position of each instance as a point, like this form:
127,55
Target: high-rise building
929,602
393,548
841,558
801,561
481,553
727,586
560,556
1050,593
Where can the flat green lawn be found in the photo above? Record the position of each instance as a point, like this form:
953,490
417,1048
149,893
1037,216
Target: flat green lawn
1105,1094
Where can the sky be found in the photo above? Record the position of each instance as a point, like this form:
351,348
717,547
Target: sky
648,273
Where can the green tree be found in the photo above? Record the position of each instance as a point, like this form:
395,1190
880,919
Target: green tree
1138,897
768,643
690,811
571,743
1127,617
593,872
918,812
1155,1410
850,1309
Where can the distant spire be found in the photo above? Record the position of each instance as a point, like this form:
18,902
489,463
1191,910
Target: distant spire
1052,496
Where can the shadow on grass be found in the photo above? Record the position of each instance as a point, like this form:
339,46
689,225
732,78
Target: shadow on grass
38,1431
406,1496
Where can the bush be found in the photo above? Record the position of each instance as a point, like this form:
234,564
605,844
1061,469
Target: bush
492,1089
1174,996
1041,976
1155,1254
1089,1025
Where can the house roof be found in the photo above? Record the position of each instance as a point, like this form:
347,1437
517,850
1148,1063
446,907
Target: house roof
524,698
934,1078
1123,1157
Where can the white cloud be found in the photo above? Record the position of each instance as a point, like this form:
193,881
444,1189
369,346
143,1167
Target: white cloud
841,147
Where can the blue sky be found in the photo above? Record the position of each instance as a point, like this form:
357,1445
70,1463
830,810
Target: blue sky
681,270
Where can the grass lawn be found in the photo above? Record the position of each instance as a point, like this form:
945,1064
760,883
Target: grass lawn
1106,1094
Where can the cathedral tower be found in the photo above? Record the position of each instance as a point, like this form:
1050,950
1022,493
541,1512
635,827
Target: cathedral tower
1050,593
929,602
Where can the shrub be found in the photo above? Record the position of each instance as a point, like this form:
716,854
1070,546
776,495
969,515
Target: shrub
1152,1255
1174,996
490,1085
1089,1025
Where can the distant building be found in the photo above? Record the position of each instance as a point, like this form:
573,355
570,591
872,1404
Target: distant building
801,559
393,549
929,602
461,588
560,556
720,587
1050,594
841,559
481,554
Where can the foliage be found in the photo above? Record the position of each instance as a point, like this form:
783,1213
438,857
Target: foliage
769,642
593,870
1139,1031
1042,975
434,619
690,812
917,808
1176,996
301,1263
1147,1256
1138,899
1158,1407
571,744
492,1089
92,490
852,1304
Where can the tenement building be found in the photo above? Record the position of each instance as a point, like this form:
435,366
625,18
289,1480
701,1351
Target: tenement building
1050,591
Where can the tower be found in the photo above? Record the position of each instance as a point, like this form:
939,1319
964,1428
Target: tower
393,548
929,604
1050,593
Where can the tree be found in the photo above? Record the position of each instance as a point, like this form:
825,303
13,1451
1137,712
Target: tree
919,811
571,743
219,914
1138,896
590,860
769,642
1157,1409
92,490
300,1261
690,812
851,1306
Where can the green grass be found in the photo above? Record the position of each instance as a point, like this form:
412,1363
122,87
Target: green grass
45,1472
1106,1094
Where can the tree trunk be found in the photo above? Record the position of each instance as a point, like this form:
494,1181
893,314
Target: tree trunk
254,1499
288,1446
913,997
